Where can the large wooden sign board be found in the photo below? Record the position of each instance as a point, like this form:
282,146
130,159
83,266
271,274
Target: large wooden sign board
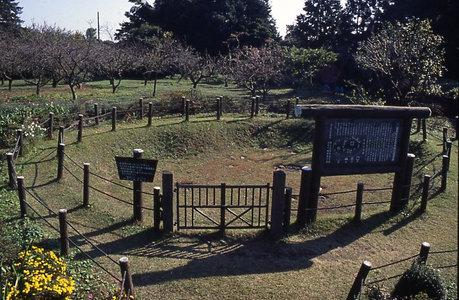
357,139
136,169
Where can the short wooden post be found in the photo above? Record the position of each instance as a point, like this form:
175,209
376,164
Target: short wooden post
410,158
359,280
156,208
80,128
126,276
50,125
12,181
60,138
114,118
20,137
141,111
60,161
449,147
86,184
257,105
305,188
424,130
167,201
358,202
219,113
418,126
444,139
444,172
287,208
278,203
424,252
96,113
150,113
187,110
288,108
137,192
22,196
183,106
63,229
252,108
425,193
222,208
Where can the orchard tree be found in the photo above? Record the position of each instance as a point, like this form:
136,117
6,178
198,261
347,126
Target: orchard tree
194,66
407,58
257,69
11,63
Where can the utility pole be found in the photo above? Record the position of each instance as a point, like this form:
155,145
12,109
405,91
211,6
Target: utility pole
98,27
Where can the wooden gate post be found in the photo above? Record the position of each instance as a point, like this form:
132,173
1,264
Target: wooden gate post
358,281
20,137
114,118
137,192
96,113
156,208
408,178
22,197
305,188
358,202
86,184
252,108
12,181
51,125
424,252
167,201
278,203
126,276
287,208
63,230
80,128
425,193
60,161
222,208
150,113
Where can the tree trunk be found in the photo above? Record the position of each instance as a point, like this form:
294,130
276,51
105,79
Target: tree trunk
37,89
10,83
145,82
72,89
154,85
112,83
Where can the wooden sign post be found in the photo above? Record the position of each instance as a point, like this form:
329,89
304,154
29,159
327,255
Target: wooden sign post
357,139
137,170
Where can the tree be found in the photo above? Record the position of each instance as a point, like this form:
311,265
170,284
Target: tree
10,62
204,24
304,64
318,26
9,15
406,58
257,69
194,66
361,17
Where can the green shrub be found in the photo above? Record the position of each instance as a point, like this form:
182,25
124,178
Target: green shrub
420,279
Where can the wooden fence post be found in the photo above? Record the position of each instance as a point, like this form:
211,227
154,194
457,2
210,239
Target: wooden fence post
60,161
86,184
150,113
50,125
126,274
358,202
287,208
449,147
219,106
167,201
410,158
63,230
444,172
252,108
425,193
20,136
358,281
137,192
156,208
444,139
60,138
456,126
114,118
12,181
278,203
22,196
222,208
288,108
141,111
183,105
424,130
187,110
418,126
305,188
96,113
257,105
80,128
424,252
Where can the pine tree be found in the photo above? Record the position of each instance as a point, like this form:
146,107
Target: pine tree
9,15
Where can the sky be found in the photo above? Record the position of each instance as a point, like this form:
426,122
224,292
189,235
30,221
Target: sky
81,14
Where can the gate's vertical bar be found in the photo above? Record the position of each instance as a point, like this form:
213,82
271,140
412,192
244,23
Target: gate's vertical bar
168,201
268,189
277,208
177,202
192,207
222,208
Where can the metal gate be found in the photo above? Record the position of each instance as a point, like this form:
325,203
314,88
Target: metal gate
222,206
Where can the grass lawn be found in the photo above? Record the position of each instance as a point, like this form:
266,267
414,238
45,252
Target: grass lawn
317,263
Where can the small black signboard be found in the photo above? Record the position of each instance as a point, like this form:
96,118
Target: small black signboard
136,169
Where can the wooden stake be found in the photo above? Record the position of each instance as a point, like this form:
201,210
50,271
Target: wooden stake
60,161
12,181
137,192
96,113
86,184
287,208
425,193
157,208
150,113
80,128
358,281
63,229
358,202
126,274
304,197
114,118
424,252
22,196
